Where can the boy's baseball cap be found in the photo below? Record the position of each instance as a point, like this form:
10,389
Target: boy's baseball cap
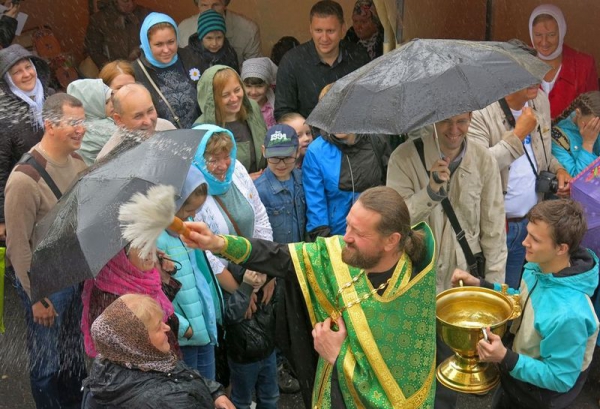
281,141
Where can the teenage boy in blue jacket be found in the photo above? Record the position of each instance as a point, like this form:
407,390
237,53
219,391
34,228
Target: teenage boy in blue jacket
555,336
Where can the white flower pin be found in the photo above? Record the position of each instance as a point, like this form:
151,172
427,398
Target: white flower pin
195,74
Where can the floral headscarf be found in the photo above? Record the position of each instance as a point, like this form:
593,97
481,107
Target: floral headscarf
122,338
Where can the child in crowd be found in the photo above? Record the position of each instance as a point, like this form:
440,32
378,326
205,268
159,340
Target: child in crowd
575,141
198,304
209,44
251,345
305,135
280,186
280,190
259,76
281,47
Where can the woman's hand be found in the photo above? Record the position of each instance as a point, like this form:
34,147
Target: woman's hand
256,175
492,350
461,275
589,133
189,333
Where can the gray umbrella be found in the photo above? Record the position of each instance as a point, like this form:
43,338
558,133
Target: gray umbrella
423,82
82,232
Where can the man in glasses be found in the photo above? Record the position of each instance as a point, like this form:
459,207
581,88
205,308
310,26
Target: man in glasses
33,188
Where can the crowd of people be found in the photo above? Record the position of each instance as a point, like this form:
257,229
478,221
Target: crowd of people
314,258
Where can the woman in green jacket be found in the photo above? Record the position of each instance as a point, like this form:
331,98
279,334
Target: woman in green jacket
224,103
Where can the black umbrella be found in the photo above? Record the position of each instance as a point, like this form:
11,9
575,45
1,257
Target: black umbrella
82,232
423,82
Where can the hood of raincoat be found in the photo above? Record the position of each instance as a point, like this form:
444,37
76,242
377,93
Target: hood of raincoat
206,99
193,180
99,128
92,93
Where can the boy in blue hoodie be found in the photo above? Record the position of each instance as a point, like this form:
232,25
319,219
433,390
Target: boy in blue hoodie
556,333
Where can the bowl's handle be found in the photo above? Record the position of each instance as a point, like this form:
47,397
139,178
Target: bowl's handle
516,304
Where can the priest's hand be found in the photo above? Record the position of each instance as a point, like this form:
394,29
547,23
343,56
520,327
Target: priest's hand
201,237
491,350
328,343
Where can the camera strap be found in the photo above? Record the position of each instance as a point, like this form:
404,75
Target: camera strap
512,122
449,210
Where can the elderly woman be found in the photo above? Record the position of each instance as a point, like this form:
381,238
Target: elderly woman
169,74
117,73
224,102
128,273
96,99
575,142
136,368
572,72
366,29
23,90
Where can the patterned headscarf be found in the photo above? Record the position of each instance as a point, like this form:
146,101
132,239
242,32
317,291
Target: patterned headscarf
366,8
121,337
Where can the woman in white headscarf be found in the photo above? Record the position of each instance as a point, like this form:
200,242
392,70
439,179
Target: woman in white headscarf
573,72
23,90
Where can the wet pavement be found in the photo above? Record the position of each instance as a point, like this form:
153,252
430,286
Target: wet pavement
15,392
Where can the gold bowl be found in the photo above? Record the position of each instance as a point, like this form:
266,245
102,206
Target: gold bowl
461,314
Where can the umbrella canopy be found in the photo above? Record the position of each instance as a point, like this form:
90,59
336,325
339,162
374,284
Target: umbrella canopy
82,232
585,189
423,82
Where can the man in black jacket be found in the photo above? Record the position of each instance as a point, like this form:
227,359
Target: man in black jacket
306,69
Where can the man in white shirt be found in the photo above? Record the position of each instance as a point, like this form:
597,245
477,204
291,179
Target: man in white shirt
242,33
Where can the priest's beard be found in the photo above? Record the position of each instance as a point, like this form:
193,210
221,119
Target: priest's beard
355,258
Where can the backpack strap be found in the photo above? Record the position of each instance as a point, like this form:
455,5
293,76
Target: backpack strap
28,159
561,138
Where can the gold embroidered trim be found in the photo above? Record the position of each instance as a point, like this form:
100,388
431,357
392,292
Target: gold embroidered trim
302,281
363,331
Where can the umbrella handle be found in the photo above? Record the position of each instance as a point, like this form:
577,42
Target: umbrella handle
178,227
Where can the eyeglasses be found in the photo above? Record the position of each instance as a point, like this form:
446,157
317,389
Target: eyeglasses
74,122
212,162
287,160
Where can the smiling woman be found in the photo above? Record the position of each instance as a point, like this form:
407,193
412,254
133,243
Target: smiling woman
23,90
573,72
224,102
166,71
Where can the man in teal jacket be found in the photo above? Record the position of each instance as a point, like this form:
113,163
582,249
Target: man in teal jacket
556,333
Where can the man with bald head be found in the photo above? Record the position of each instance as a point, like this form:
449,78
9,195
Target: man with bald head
135,115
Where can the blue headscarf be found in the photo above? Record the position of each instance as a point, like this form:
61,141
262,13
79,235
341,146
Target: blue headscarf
151,20
193,180
215,186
